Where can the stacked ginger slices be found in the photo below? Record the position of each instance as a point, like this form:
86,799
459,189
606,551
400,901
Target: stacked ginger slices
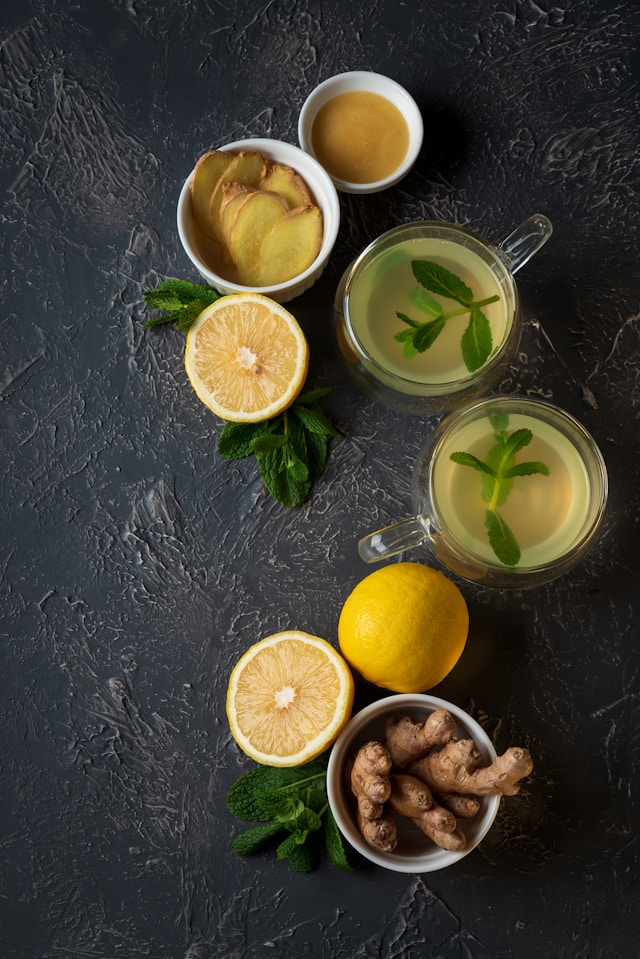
262,214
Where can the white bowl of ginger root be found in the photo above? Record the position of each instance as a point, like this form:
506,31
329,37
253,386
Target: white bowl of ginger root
259,215
415,783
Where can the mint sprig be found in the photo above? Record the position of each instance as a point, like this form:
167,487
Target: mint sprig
290,449
476,343
499,470
181,301
292,810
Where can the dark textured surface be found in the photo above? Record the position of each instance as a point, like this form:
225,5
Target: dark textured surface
137,564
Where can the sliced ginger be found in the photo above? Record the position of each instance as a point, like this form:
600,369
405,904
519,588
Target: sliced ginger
425,773
247,169
284,180
291,246
255,216
263,242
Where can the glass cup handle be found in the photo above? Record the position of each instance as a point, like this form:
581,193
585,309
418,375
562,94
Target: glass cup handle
525,240
394,539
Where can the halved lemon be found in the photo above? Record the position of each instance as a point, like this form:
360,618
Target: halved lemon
246,357
288,698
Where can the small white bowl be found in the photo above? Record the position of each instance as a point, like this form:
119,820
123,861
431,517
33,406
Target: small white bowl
324,193
358,80
415,852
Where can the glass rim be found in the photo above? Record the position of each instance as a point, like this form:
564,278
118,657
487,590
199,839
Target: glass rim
395,380
588,450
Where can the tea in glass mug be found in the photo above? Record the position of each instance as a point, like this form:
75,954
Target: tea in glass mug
510,492
429,314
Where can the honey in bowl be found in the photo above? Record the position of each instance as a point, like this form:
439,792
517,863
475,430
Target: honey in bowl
360,137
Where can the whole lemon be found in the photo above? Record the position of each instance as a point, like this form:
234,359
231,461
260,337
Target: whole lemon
404,627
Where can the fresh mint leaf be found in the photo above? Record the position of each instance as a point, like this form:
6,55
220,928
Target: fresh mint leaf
516,441
317,450
477,341
236,440
290,448
314,420
468,459
499,471
334,844
503,542
499,422
302,857
526,469
271,441
279,481
424,302
289,800
183,302
425,337
252,840
312,396
437,279
414,324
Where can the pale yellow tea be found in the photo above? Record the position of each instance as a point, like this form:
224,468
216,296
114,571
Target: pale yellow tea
546,512
386,289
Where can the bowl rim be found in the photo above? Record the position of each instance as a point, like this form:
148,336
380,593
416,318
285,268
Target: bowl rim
282,152
376,83
353,734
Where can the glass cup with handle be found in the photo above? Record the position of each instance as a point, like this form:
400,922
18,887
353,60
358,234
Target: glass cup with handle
509,492
428,315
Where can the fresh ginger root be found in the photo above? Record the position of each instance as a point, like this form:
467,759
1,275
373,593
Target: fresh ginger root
380,832
408,740
457,768
463,807
371,786
426,774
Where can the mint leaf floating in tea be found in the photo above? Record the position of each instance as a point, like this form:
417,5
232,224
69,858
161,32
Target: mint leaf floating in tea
499,471
476,343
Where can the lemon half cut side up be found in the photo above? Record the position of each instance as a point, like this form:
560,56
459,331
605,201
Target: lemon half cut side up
288,698
246,357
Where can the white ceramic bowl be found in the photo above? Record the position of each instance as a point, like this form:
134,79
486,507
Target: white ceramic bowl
373,83
415,852
324,193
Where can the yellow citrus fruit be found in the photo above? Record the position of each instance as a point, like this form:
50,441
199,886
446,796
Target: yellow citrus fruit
288,698
404,627
246,357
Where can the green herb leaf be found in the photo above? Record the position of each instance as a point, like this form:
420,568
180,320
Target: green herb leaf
253,840
422,301
499,470
468,459
476,341
183,302
292,800
514,442
334,844
425,337
262,444
290,449
236,440
314,420
503,542
302,857
441,281
526,469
